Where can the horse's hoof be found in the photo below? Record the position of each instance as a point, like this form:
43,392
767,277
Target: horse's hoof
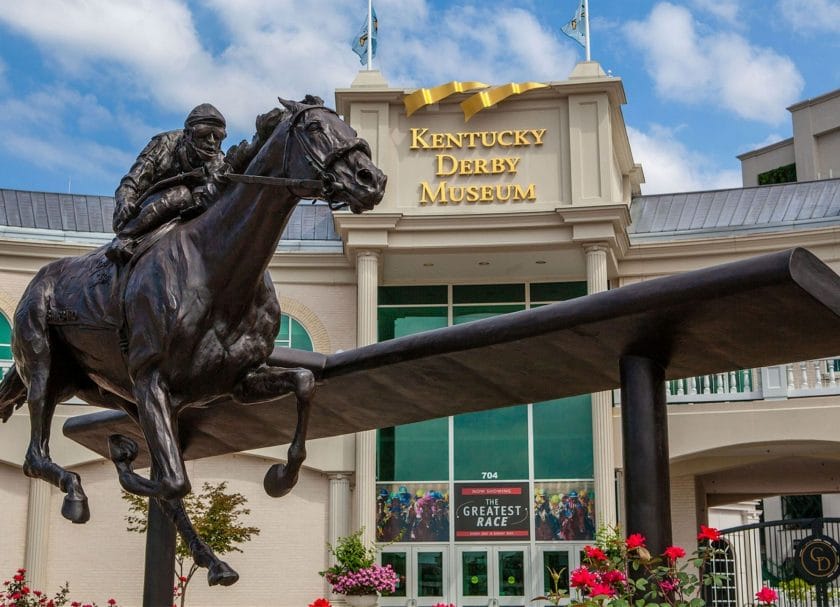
75,509
122,449
221,573
276,482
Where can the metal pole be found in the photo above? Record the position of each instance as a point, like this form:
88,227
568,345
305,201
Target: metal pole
644,425
370,36
160,556
586,22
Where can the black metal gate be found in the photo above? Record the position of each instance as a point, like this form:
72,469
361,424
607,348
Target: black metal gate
775,554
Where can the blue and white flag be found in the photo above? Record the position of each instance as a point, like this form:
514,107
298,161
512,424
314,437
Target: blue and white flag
360,42
576,28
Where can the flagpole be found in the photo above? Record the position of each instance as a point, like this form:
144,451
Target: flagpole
586,19
370,36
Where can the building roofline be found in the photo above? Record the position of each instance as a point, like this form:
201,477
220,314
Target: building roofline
814,100
767,148
752,187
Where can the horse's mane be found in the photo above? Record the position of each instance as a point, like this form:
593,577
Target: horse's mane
239,156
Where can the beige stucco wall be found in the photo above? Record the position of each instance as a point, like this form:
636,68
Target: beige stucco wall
765,159
815,124
101,559
14,496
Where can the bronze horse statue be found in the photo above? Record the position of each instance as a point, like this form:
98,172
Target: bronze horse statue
192,319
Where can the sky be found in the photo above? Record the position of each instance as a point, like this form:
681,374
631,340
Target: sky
84,84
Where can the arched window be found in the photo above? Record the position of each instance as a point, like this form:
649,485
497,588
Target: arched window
292,335
5,344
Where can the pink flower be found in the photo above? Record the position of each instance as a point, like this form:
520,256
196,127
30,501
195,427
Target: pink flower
637,540
583,577
602,590
766,595
708,533
596,554
667,585
674,552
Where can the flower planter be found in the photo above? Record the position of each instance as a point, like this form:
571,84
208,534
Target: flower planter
362,600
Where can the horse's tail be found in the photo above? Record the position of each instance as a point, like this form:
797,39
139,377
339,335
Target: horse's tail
12,393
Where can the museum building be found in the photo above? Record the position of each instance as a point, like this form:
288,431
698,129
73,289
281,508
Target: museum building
499,199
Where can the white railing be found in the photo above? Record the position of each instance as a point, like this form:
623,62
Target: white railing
794,380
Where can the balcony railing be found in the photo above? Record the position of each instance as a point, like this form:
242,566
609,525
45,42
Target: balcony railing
808,378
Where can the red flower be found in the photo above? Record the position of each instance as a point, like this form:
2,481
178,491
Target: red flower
182,579
112,602
596,554
708,533
668,585
320,603
766,595
583,577
674,552
637,540
602,590
613,576
21,571
19,577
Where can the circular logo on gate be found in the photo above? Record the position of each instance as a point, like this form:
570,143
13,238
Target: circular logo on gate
818,559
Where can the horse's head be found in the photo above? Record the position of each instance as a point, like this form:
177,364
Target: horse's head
319,145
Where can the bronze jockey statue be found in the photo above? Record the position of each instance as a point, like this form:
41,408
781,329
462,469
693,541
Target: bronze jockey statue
177,173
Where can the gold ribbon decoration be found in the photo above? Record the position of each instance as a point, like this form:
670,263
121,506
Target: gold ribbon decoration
423,97
485,99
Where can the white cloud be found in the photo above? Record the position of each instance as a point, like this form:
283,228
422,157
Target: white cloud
720,68
151,48
670,166
490,42
725,10
811,15
36,130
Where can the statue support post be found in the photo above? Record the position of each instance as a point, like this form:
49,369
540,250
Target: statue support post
644,424
160,556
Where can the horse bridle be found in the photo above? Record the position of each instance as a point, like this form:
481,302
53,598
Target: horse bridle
326,179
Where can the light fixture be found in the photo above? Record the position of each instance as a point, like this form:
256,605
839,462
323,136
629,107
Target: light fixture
428,264
541,262
484,263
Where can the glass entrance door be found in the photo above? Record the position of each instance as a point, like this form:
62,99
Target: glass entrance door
497,576
423,575
560,559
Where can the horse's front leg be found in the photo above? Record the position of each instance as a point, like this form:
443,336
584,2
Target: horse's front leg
218,571
267,383
159,427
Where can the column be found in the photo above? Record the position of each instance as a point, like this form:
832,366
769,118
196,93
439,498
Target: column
37,533
367,277
602,429
340,506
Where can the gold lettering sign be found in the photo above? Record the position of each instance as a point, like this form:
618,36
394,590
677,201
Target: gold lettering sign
450,168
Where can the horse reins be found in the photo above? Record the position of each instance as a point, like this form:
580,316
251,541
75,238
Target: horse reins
327,180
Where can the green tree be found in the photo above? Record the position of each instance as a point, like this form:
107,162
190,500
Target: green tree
215,515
